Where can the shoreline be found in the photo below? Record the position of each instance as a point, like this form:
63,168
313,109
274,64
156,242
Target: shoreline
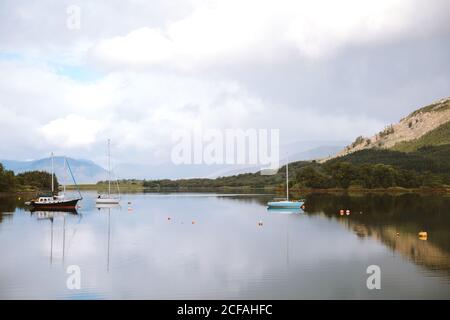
244,190
276,189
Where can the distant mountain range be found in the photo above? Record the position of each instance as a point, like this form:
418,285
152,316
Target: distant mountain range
186,171
85,171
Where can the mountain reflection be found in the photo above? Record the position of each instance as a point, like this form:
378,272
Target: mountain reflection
395,221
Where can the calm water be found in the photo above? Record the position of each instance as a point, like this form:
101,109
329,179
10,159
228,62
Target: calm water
189,246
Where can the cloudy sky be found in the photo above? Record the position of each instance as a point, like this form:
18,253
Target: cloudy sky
137,70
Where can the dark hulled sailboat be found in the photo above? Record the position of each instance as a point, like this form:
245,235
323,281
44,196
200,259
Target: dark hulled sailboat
56,201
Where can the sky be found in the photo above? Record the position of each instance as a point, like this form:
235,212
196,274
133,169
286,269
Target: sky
75,73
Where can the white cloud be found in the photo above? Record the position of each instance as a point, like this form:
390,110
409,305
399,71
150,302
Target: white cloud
231,30
227,64
71,131
139,47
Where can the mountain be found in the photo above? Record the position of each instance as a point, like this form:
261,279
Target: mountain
171,171
85,171
419,143
426,126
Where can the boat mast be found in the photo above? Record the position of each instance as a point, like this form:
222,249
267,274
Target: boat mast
65,175
109,168
53,174
287,178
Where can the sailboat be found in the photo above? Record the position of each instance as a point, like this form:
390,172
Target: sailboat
286,204
109,198
56,201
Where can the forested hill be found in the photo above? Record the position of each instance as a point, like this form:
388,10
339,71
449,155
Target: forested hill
27,181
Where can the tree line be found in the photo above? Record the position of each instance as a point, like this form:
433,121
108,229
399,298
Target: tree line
31,180
367,176
367,169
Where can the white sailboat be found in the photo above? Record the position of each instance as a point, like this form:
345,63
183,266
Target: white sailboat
286,204
109,198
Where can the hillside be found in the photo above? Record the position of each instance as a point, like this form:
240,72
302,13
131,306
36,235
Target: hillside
426,126
436,137
434,159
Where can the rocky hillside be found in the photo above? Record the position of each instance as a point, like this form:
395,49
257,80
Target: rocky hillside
426,126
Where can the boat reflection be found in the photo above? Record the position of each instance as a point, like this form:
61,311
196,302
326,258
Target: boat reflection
106,208
284,210
50,215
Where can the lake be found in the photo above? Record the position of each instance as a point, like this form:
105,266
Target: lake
228,246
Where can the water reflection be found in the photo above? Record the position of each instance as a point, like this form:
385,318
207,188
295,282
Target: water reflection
51,215
396,222
228,246
284,210
106,208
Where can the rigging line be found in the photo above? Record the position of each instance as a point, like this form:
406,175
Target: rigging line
73,178
117,183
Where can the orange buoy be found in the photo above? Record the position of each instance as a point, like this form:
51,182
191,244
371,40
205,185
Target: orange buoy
423,235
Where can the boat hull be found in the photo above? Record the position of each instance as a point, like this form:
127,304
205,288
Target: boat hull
107,201
285,204
62,204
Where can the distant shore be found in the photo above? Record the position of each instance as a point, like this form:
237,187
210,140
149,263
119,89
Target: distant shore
295,191
271,189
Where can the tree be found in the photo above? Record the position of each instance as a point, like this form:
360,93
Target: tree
310,178
7,181
343,173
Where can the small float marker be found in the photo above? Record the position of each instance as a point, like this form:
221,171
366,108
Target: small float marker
341,212
423,235
347,212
